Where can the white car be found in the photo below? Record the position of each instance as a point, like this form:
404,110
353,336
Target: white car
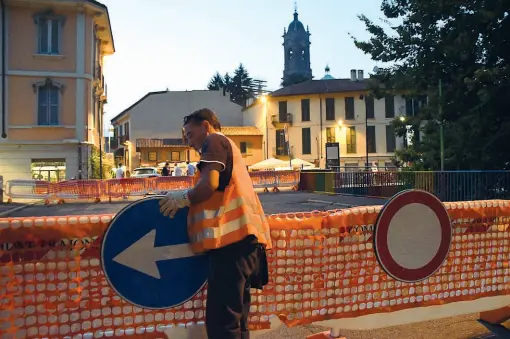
145,172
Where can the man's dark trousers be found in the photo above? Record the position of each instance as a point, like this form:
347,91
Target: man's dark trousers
232,271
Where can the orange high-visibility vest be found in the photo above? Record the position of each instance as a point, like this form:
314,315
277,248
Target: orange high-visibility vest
230,216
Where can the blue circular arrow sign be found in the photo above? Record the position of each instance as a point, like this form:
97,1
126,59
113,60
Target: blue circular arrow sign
147,259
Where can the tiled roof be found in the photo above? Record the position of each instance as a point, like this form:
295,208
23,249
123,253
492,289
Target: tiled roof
175,142
178,142
240,130
321,86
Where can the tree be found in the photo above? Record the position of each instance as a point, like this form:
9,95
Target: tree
464,46
240,86
216,83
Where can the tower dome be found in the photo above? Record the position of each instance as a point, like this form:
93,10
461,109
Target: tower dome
296,25
327,76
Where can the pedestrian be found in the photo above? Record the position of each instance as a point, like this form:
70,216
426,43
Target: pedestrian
190,169
177,170
119,173
226,220
165,172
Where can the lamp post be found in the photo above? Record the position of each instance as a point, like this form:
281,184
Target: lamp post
441,132
263,98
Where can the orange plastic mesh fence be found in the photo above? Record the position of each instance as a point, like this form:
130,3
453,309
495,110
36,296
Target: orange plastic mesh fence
322,267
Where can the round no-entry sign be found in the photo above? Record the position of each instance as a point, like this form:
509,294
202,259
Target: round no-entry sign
412,235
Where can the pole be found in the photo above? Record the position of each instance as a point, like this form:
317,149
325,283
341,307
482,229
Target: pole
288,151
366,131
267,129
441,131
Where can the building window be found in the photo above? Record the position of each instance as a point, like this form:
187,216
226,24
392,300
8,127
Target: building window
305,109
52,170
126,130
282,111
330,108
281,145
389,106
349,108
175,156
152,156
330,134
49,30
413,105
369,105
371,139
48,102
391,140
350,140
306,141
245,148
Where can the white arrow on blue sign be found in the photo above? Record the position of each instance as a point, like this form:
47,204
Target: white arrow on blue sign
147,259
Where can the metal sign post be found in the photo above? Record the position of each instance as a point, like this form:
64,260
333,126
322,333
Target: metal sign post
287,140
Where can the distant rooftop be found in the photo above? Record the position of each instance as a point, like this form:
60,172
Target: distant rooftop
322,86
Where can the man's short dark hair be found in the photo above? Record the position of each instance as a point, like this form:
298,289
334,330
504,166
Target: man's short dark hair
203,114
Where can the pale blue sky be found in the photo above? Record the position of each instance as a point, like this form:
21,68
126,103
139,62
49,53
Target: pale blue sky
180,44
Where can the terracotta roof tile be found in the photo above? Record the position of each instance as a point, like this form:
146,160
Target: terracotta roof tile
240,130
176,142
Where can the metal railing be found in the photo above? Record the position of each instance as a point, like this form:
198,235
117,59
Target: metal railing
447,185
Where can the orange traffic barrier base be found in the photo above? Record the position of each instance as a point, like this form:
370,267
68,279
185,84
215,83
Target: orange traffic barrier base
324,335
496,317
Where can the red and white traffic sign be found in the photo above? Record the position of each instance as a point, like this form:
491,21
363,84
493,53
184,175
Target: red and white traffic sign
412,235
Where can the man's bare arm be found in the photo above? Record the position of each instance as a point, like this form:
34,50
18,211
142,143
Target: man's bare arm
207,184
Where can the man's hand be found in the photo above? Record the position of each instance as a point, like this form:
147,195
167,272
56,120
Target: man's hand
173,201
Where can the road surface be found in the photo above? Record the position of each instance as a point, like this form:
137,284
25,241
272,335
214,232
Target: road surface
281,202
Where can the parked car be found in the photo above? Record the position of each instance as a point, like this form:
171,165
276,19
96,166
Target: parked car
145,172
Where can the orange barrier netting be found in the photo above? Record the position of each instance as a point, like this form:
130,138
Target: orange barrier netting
78,189
163,184
128,187
322,267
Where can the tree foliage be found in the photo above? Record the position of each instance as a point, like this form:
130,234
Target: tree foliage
240,86
465,46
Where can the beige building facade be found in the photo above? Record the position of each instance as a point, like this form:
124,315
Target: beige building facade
158,116
53,87
318,112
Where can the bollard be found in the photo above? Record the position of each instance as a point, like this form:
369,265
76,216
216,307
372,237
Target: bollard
1,189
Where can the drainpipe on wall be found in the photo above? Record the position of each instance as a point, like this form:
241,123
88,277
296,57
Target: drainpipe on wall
4,129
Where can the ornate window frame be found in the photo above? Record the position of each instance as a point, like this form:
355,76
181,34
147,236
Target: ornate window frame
51,15
48,82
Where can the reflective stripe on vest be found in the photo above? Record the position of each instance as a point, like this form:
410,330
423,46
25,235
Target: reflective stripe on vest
230,226
211,214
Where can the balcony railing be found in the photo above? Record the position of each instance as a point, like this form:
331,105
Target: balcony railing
277,119
100,82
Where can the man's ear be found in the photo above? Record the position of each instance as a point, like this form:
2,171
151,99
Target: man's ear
206,125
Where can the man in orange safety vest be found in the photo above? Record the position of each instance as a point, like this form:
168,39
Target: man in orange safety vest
226,220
